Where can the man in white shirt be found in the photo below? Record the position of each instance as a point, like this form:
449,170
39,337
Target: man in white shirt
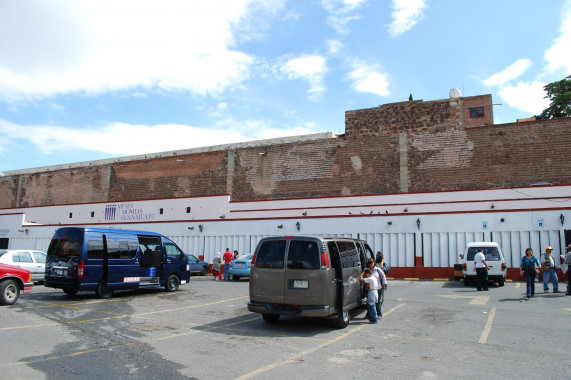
481,270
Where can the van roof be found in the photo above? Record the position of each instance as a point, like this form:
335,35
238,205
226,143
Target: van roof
483,244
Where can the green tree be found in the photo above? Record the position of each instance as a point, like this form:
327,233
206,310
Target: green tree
559,93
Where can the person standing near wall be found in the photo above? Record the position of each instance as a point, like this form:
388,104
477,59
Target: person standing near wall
566,263
481,270
549,271
216,267
527,269
227,261
380,259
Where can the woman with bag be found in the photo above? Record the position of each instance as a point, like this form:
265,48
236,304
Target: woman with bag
528,269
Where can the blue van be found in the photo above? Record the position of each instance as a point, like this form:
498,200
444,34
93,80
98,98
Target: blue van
105,260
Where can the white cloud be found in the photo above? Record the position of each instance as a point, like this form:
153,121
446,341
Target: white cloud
559,55
334,46
369,79
311,68
509,73
96,46
407,13
341,12
526,96
142,139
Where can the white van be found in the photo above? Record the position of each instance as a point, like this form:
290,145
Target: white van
494,258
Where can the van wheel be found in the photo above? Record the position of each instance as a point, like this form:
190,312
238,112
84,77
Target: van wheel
103,291
342,319
204,271
465,281
270,317
9,292
70,292
172,283
501,282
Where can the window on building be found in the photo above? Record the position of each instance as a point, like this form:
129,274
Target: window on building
476,112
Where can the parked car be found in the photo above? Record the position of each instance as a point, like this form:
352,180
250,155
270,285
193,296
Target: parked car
494,258
197,266
13,280
34,261
241,266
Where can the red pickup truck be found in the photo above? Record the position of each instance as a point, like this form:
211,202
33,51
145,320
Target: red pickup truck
12,281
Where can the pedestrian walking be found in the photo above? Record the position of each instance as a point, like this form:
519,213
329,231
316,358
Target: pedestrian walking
528,266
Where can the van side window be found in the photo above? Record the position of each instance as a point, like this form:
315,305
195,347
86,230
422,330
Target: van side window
303,254
349,257
271,254
118,247
95,248
173,252
334,255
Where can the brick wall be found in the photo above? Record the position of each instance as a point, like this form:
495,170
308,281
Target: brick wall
416,146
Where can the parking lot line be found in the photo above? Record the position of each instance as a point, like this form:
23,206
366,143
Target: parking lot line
309,351
488,327
475,300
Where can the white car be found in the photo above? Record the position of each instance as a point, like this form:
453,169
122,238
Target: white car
494,258
34,261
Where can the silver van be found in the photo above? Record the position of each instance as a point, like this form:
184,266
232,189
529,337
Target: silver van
310,276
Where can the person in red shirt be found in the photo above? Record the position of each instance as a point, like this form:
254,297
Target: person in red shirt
228,256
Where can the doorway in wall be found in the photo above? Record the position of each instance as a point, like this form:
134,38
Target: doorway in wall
4,243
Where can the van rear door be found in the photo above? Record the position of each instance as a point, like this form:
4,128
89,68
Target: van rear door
304,279
64,255
269,272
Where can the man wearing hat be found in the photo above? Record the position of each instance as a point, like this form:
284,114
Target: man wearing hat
549,271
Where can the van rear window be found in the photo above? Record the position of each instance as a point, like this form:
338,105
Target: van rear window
303,254
271,254
65,246
491,253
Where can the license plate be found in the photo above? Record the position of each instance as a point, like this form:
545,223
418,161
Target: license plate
300,284
59,272
240,265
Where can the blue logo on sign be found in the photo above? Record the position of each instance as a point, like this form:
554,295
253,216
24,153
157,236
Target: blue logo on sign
110,211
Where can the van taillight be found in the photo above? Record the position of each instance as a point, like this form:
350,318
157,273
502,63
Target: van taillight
464,266
80,268
503,266
324,260
253,259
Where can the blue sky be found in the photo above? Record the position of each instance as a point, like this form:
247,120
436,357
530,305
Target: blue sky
96,79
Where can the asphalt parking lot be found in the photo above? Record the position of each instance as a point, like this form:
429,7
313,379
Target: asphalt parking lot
429,330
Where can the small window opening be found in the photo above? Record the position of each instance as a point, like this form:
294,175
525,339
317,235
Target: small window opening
476,112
